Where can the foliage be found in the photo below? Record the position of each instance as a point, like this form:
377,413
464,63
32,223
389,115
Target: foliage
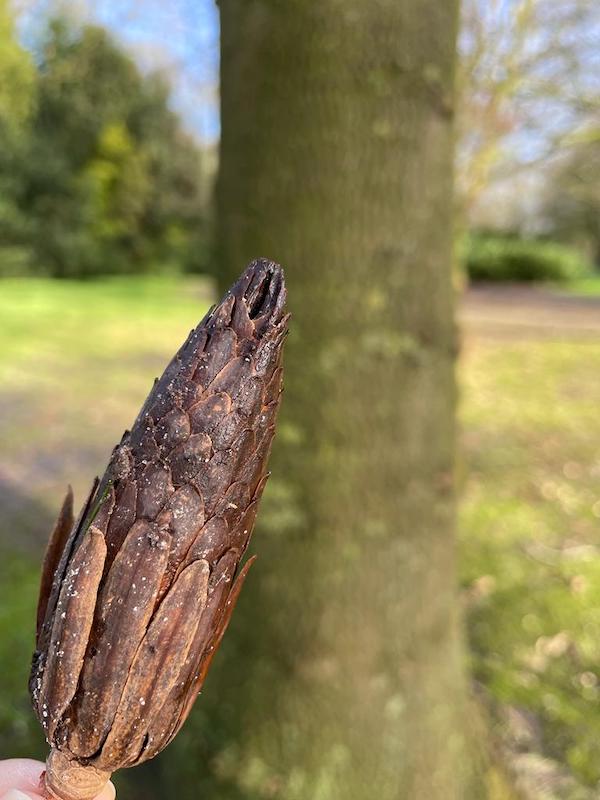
104,180
17,101
498,258
17,76
572,210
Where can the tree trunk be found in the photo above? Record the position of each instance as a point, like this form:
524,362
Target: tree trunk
344,678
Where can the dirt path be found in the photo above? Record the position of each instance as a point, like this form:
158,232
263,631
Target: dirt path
528,313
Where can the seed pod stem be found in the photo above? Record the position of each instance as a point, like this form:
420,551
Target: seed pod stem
66,779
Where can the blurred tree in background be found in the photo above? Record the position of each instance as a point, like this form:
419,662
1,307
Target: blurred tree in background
17,76
17,96
103,178
572,208
527,92
527,83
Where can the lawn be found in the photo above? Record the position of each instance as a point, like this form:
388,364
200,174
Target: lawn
529,518
76,361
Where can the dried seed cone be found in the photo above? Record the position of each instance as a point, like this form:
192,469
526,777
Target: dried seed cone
137,592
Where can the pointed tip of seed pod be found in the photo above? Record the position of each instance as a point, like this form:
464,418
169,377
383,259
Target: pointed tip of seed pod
262,288
257,298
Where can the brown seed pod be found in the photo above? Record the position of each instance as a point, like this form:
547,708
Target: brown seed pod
137,592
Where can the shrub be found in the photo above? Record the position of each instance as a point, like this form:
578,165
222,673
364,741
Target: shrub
496,258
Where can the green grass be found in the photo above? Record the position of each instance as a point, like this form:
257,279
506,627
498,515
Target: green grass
76,361
587,287
529,535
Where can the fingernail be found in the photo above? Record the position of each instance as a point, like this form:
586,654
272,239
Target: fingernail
15,794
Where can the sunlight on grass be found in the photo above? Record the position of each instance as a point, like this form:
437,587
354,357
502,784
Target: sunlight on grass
76,361
78,358
584,286
529,535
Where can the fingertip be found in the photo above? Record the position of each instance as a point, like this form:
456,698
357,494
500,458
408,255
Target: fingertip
22,774
17,794
108,793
